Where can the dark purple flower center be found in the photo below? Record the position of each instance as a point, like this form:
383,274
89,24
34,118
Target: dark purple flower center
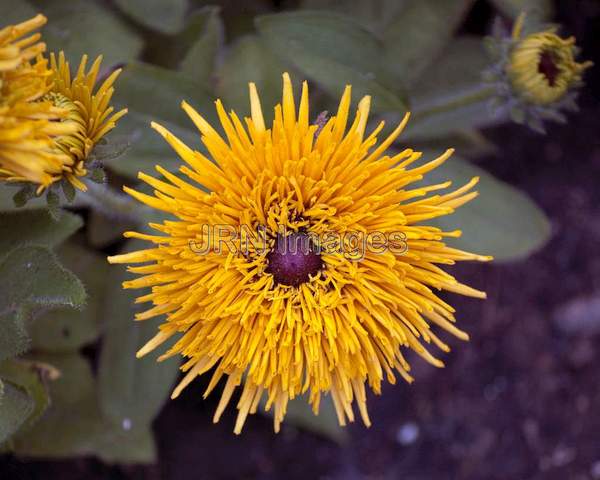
294,259
547,67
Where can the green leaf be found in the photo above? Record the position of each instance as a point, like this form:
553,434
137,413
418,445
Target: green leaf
166,17
457,71
15,407
335,51
81,27
374,14
450,97
469,142
31,378
502,221
132,390
126,447
14,339
299,414
37,227
249,61
68,329
75,413
206,27
103,230
419,34
155,94
33,280
543,9
32,277
16,11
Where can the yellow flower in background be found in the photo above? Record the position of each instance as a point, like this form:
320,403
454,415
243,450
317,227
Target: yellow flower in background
27,124
283,321
49,122
15,50
542,66
89,113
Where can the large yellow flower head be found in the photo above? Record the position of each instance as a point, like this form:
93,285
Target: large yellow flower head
299,309
542,66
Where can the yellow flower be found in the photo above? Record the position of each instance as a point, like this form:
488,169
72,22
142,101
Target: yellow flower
15,50
285,321
542,66
89,113
27,125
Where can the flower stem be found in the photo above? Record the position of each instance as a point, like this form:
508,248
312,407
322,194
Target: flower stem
470,98
112,203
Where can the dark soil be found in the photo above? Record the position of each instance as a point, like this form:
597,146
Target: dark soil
521,400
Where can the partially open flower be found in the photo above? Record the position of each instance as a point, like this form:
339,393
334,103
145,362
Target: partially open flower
28,125
89,113
542,66
536,75
344,281
49,121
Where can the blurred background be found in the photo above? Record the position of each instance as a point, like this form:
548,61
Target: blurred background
519,401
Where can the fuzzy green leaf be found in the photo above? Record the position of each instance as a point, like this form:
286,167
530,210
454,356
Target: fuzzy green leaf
30,377
16,11
335,51
207,29
34,278
81,27
450,97
103,230
33,281
131,390
374,14
419,34
75,413
502,221
249,61
542,9
166,17
35,227
15,407
300,415
140,82
14,339
67,329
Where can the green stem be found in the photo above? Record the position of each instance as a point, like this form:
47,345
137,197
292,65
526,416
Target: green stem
113,204
484,93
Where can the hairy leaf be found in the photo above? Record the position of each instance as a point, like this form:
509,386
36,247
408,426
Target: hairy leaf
81,27
167,89
419,34
249,61
35,227
15,408
166,17
200,59
335,51
502,221
132,390
67,329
